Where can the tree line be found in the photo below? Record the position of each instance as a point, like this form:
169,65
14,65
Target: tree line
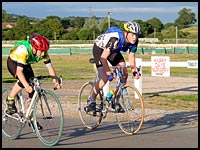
83,28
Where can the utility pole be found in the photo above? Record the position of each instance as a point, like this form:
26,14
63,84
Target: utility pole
176,35
109,13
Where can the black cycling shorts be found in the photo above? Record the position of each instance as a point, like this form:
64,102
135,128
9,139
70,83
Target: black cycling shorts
12,68
113,58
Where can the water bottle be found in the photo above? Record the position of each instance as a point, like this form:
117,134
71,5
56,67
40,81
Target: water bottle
109,95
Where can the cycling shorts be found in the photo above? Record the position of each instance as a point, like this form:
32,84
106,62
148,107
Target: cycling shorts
114,58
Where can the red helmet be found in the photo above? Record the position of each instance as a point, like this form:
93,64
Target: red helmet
39,42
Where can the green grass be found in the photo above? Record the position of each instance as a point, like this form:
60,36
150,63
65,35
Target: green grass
77,67
182,102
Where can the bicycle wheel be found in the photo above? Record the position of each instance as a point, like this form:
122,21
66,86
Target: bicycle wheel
11,125
87,118
49,114
130,121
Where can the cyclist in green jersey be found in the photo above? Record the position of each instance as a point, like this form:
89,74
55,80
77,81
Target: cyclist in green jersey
22,55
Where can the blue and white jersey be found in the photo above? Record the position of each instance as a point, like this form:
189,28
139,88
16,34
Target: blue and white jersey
113,40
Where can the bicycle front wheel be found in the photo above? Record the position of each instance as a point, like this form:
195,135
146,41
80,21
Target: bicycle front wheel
87,118
130,121
11,125
49,114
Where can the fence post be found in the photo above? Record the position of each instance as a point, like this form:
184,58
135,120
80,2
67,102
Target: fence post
187,50
173,50
142,50
138,82
165,50
70,51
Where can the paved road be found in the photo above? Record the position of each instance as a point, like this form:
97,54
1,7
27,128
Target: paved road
108,135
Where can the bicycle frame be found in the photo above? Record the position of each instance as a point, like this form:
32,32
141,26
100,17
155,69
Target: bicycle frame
120,82
26,114
117,70
46,114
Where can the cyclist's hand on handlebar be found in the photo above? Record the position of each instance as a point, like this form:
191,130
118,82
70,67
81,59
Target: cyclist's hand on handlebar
110,77
136,75
57,86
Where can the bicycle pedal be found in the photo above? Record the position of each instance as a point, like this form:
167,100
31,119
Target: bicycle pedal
86,109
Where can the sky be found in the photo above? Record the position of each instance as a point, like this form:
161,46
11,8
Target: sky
124,11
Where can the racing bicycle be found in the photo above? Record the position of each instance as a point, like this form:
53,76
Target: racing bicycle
43,108
130,121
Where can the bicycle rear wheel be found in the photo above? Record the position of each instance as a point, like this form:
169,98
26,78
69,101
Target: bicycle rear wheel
130,121
87,118
49,114
11,126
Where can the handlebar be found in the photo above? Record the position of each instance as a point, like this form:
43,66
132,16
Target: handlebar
34,81
119,69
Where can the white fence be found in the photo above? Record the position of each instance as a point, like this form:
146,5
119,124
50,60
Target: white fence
139,62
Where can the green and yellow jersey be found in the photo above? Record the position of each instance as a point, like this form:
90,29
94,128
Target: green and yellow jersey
21,53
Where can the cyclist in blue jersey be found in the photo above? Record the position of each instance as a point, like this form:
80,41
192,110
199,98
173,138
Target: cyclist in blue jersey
107,48
22,55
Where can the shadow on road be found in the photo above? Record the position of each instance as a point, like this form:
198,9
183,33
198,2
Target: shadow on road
152,126
170,120
78,132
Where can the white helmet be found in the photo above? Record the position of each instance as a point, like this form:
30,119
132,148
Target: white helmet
132,27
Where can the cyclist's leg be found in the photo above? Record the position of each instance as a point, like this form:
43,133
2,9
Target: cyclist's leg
97,87
102,77
117,59
10,99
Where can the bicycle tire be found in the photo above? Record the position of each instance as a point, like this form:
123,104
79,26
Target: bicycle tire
11,125
130,121
87,118
49,114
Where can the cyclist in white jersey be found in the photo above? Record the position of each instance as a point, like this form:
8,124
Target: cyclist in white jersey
108,47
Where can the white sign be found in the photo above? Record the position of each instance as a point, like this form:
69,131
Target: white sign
192,63
160,66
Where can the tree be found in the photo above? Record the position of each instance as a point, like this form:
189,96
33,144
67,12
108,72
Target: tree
65,22
79,22
146,28
167,25
52,28
156,24
22,28
186,18
5,17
